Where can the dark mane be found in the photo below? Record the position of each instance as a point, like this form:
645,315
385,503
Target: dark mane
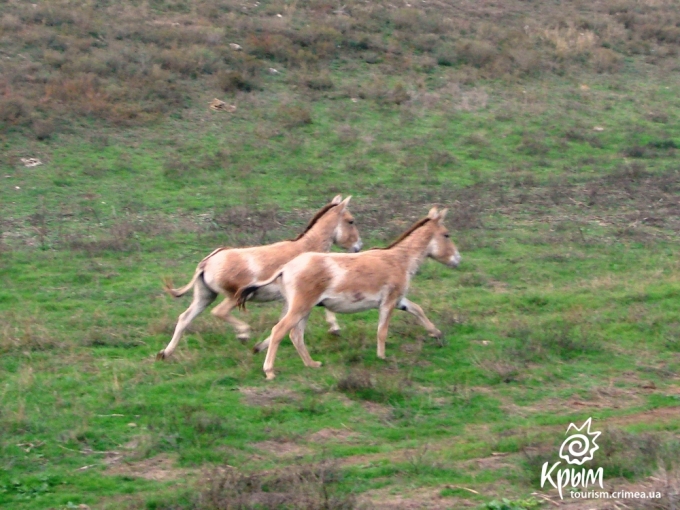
403,236
316,218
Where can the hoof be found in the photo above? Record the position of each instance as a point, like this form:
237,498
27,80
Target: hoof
383,357
257,348
161,356
334,332
315,364
270,375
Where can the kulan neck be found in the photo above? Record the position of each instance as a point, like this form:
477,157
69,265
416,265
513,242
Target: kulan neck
412,250
319,238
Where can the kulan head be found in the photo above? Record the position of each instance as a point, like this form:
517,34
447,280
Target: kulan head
441,248
346,234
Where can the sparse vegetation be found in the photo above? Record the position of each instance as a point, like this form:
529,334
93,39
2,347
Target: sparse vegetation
550,131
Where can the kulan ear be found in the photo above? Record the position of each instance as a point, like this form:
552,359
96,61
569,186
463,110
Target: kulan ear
442,214
433,214
336,200
345,202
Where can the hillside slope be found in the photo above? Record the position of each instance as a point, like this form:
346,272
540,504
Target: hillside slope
549,129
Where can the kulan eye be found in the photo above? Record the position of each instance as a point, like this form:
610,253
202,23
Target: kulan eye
447,235
351,222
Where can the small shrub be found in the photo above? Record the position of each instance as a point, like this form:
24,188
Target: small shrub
14,112
358,167
206,423
446,55
43,129
232,81
119,238
631,456
663,144
24,333
106,336
347,134
658,116
519,504
635,151
605,60
372,57
473,280
319,82
10,23
557,338
634,171
478,139
441,159
533,146
273,47
406,19
399,94
175,169
310,487
476,53
362,384
524,60
500,369
425,42
294,115
356,382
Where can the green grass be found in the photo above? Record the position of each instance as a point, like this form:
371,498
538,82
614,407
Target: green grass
565,306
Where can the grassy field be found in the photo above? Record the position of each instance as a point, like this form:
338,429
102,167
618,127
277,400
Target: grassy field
551,132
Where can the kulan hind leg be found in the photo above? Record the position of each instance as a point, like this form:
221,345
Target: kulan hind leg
265,343
297,336
203,296
330,318
332,321
223,311
296,312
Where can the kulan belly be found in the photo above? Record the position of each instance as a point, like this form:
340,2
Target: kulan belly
350,303
268,293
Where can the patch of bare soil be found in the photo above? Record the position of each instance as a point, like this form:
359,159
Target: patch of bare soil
283,449
494,462
258,396
426,498
655,415
598,398
366,459
380,410
160,468
334,435
603,397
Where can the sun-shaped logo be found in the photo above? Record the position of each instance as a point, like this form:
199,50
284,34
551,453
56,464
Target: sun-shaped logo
579,448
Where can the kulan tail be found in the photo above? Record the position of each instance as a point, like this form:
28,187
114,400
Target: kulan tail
244,293
167,284
182,290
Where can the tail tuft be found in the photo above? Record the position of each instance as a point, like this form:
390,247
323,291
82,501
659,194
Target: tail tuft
243,294
167,287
